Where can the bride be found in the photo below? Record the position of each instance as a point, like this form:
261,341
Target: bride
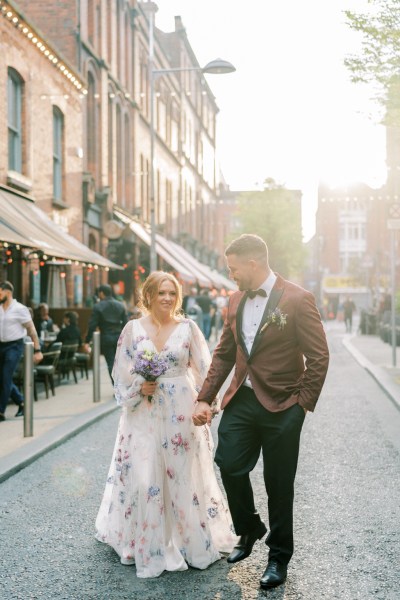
162,507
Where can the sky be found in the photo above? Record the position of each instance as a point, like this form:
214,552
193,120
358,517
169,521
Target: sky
290,111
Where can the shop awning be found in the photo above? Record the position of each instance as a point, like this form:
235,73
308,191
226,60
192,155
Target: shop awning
201,279
23,223
178,267
188,267
217,280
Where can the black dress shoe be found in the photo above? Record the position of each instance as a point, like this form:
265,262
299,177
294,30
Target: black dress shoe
2,417
275,574
20,411
246,542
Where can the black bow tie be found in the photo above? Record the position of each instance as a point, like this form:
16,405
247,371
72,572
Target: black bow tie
253,293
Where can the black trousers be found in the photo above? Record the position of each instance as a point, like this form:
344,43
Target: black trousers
246,429
108,349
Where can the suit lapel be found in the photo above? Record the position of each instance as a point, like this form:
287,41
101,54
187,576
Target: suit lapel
272,303
239,320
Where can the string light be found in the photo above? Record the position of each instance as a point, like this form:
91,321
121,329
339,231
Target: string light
33,254
43,47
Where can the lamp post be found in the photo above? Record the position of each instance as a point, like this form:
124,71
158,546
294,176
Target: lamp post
216,67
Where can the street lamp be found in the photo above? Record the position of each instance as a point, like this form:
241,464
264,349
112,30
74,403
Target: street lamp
217,67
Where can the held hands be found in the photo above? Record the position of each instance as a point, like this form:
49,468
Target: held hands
202,414
148,388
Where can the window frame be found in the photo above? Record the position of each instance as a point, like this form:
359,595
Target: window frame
15,89
58,154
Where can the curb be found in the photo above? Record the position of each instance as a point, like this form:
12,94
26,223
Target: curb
377,373
21,458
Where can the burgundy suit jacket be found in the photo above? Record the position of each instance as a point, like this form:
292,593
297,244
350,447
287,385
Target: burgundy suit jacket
285,366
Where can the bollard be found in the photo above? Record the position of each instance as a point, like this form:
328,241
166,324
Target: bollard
28,389
96,366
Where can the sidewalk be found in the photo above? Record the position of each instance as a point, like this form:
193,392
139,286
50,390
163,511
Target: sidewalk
71,410
55,419
376,357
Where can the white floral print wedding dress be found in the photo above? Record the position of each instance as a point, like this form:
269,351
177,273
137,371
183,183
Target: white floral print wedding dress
162,507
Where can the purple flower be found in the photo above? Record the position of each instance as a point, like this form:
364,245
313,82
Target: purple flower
150,365
153,491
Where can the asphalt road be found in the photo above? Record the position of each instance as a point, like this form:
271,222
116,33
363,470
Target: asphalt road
347,513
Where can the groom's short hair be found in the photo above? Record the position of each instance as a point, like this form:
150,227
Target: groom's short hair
249,245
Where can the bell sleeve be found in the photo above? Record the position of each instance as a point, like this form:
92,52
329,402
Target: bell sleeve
200,361
127,383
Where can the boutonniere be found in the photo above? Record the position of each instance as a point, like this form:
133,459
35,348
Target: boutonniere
275,317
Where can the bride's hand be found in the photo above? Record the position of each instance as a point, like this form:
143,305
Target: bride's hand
202,414
148,388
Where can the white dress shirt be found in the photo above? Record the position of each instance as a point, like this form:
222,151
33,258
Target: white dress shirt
253,311
11,320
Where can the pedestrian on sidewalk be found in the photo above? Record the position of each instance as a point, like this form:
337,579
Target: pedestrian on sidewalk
272,325
15,323
109,317
348,308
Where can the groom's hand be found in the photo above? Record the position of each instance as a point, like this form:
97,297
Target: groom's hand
202,414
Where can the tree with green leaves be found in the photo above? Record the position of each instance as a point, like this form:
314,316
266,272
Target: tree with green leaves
274,214
378,62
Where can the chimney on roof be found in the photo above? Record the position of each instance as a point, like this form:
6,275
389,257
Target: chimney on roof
178,24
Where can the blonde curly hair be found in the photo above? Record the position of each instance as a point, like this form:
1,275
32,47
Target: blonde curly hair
151,287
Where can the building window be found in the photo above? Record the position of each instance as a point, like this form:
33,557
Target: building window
111,95
58,144
97,29
120,149
127,159
90,21
120,40
143,202
14,98
93,128
127,54
109,32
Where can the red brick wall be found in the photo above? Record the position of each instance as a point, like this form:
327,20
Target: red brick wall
58,21
44,87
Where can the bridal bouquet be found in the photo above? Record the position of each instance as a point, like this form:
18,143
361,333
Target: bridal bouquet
150,365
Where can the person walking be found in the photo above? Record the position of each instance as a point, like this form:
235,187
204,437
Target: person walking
15,323
206,304
109,317
190,300
274,337
162,507
191,308
348,308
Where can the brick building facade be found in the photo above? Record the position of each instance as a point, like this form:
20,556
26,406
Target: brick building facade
351,248
107,42
40,147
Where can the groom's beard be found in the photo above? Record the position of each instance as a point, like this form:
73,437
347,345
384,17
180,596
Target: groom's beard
3,300
244,285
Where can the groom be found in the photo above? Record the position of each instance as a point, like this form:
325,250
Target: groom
274,338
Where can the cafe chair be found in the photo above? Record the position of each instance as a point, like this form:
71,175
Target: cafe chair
67,362
82,362
47,368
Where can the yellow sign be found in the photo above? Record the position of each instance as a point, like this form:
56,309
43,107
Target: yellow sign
337,281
